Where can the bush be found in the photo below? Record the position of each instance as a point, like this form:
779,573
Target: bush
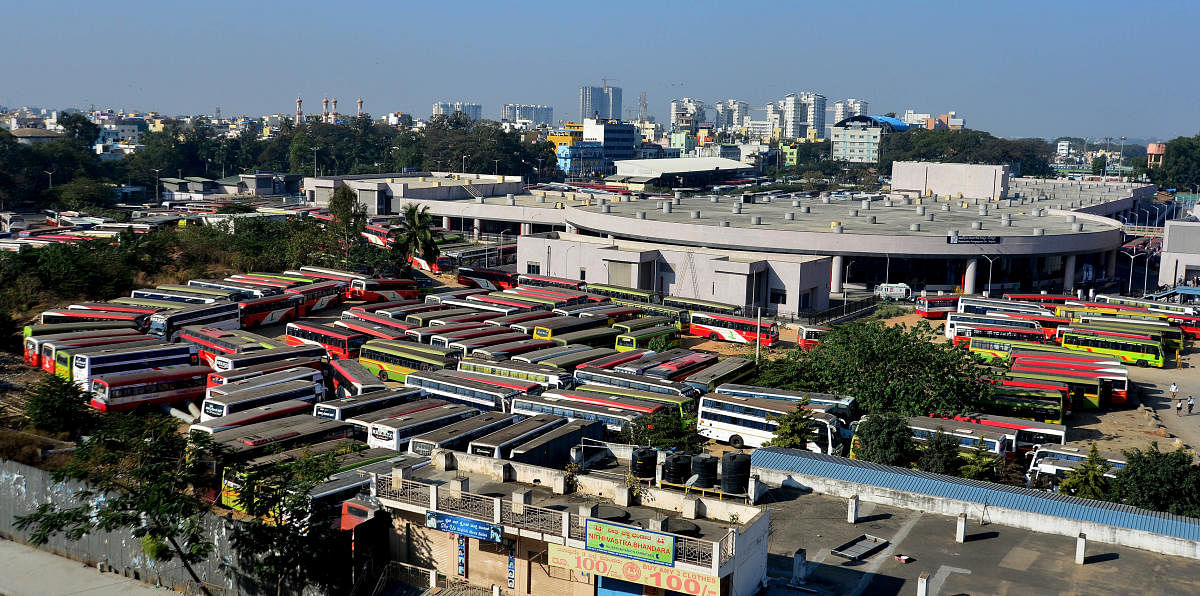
58,405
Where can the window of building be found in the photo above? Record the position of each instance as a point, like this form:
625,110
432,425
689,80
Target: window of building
583,275
777,296
533,268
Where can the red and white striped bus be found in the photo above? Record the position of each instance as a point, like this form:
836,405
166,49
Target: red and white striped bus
127,391
500,304
379,290
33,344
67,315
441,264
936,307
553,282
372,330
377,306
964,333
1040,298
269,310
733,329
809,337
117,307
236,361
339,342
377,319
488,279
319,295
453,294
211,342
48,361
217,378
614,360
524,386
673,370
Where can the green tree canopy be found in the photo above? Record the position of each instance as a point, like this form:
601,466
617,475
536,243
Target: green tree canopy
795,430
884,439
349,221
414,237
58,405
1088,481
886,369
1099,164
79,129
1158,480
666,430
1181,164
939,455
981,464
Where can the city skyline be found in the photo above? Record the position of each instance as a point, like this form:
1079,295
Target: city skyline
1008,71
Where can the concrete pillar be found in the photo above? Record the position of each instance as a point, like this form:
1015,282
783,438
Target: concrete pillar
835,275
969,276
852,510
476,226
526,229
1080,548
923,584
799,566
1068,274
446,223
960,531
1111,264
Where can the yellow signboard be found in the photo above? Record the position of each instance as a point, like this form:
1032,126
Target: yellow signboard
638,572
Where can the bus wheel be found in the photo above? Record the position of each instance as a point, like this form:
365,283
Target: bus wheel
736,442
714,337
1142,364
383,376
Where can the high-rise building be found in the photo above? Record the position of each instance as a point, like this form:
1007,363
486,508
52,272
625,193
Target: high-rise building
686,113
600,102
473,111
796,113
619,140
538,114
814,110
848,107
730,114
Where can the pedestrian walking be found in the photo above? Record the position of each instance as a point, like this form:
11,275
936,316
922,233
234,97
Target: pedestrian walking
1174,389
1179,407
1191,404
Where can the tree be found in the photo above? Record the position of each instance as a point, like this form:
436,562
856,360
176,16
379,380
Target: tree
658,344
58,405
349,220
795,428
886,368
82,193
1157,480
79,129
1099,164
287,545
1181,164
884,439
414,237
940,455
139,471
667,430
981,464
1088,481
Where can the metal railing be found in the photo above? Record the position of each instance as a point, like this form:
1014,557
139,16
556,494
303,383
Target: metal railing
538,519
575,527
410,575
728,547
696,552
470,505
409,491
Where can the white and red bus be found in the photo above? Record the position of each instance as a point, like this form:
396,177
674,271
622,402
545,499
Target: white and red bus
377,235
236,361
441,264
520,317
810,337
339,342
217,378
499,304
453,294
118,307
351,378
211,342
673,370
1048,322
377,319
372,330
49,349
1040,298
269,310
388,289
734,329
936,307
127,391
377,306
488,279
964,333
67,315
33,344
319,295
554,282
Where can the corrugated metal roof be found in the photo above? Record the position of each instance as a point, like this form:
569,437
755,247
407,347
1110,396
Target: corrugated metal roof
984,493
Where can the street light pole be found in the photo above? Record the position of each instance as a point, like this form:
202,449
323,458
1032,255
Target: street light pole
464,165
50,173
988,290
157,185
1132,256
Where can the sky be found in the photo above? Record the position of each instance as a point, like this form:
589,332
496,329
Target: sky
1100,68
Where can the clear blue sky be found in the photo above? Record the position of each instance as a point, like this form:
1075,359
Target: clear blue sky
1099,68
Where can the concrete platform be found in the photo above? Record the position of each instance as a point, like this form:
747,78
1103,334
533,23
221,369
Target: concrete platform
28,571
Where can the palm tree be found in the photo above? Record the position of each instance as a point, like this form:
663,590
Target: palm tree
414,237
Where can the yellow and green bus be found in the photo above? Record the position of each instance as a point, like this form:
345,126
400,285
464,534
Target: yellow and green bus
53,328
598,337
678,316
997,351
698,305
1136,351
685,405
393,361
625,294
644,322
639,339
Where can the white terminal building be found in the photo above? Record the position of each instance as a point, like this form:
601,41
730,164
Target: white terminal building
942,227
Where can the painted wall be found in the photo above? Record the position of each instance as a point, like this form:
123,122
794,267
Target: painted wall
973,181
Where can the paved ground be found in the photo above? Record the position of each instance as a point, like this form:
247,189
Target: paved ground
30,572
1155,383
993,560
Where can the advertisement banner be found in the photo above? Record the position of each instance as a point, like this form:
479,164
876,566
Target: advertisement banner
631,542
464,526
638,572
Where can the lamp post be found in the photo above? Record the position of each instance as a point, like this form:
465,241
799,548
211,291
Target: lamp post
987,292
50,173
1121,158
845,280
1132,256
1145,221
315,150
157,186
495,167
464,165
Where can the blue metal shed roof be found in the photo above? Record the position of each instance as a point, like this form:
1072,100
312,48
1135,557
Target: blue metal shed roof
984,493
896,123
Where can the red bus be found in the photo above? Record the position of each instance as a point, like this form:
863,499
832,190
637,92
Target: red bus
372,330
734,329
1048,323
672,370
521,317
339,342
402,313
1017,355
614,360
809,337
936,307
526,387
505,304
317,296
219,377
453,294
1103,333
441,264
211,343
377,319
1118,380
380,290
377,235
78,316
1188,324
560,294
1040,298
377,306
122,392
553,282
583,396
257,312
50,349
33,344
488,279
963,334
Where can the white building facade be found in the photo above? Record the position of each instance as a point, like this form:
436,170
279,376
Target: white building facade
473,111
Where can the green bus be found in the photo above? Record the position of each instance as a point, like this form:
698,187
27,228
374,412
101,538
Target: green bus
625,294
215,293
997,351
639,339
1137,351
1086,392
52,328
392,361
168,304
1041,405
1172,337
677,316
697,305
685,405
598,337
644,322
547,301
424,318
281,277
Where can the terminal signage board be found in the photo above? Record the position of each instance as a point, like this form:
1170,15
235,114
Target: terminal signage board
464,526
645,573
631,542
972,240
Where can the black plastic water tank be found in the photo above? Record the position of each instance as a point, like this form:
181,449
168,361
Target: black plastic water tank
677,468
643,461
735,472
704,467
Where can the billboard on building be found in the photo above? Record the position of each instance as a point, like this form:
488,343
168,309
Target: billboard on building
631,542
638,572
464,526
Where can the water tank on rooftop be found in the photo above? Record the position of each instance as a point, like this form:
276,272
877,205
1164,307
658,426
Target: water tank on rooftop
643,461
677,468
704,467
735,472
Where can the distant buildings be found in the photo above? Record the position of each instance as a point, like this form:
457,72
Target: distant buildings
602,103
846,108
473,111
1063,149
947,121
731,114
582,158
686,113
538,114
1154,154
856,139
618,139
